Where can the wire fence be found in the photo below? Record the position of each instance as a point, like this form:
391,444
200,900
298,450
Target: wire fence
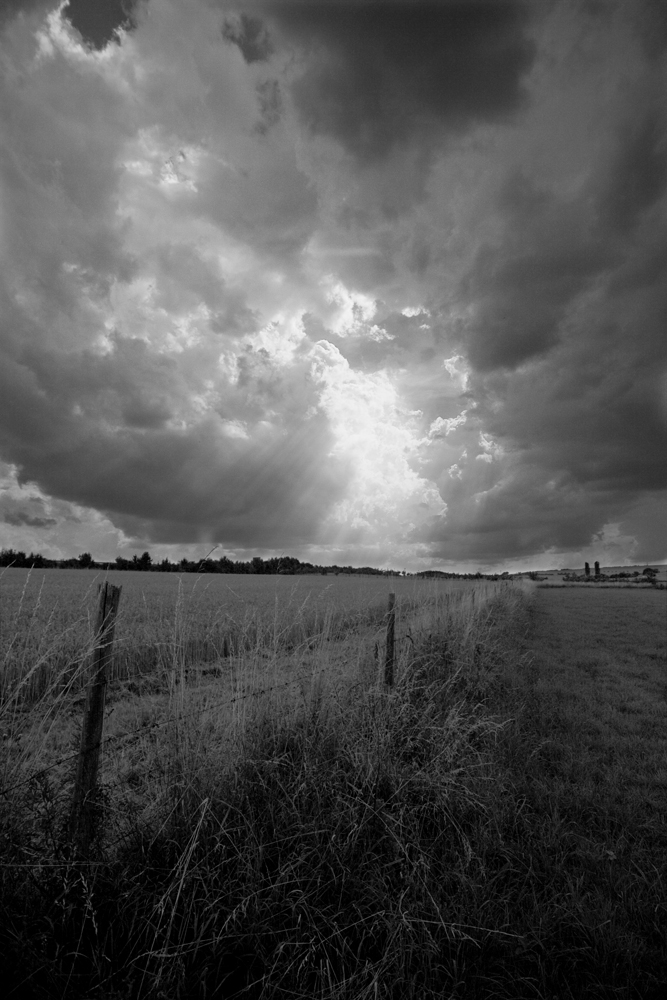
112,743
144,729
46,629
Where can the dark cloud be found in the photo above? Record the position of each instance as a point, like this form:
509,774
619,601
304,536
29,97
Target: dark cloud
524,516
520,289
98,21
650,21
270,488
638,171
28,512
562,315
21,519
379,74
270,101
270,493
582,429
250,34
517,292
107,431
271,255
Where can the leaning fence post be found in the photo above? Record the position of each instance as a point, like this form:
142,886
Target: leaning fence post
389,649
83,807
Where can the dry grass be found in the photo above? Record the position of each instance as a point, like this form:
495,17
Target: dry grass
166,621
288,828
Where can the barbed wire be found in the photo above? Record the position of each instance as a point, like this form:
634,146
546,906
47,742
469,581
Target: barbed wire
146,729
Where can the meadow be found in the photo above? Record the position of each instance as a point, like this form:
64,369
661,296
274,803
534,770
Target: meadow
273,821
167,621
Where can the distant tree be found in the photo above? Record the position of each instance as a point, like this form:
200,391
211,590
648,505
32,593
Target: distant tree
288,565
85,560
650,573
142,562
8,557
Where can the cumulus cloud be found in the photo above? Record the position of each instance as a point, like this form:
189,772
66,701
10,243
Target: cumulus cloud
564,328
373,281
127,385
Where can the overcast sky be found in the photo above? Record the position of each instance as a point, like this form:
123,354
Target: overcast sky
361,282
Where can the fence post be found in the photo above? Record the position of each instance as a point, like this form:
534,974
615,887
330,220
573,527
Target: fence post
389,649
82,817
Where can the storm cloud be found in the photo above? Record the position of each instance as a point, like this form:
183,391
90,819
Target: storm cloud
378,75
372,282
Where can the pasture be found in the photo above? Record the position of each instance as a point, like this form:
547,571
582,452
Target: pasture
275,822
168,621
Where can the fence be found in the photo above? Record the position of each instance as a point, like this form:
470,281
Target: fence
84,807
85,783
46,631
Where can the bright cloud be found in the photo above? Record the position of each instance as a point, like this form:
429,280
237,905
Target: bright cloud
368,282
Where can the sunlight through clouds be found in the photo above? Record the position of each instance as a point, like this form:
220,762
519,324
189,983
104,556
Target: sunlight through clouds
378,437
276,276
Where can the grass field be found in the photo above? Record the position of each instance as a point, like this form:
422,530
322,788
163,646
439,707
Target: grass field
277,824
585,778
167,621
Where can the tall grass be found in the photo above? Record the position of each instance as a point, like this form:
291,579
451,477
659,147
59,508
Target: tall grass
291,828
46,634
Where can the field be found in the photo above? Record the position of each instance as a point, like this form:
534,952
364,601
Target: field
275,822
167,621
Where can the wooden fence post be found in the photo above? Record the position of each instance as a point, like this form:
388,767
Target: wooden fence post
389,650
82,817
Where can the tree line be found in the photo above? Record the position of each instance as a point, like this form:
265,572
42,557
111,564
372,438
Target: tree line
277,565
144,563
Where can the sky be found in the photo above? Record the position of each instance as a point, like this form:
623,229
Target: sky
371,283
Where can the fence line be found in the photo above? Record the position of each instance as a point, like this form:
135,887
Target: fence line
94,745
143,730
142,643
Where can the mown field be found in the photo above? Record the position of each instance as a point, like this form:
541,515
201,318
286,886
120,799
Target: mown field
274,822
